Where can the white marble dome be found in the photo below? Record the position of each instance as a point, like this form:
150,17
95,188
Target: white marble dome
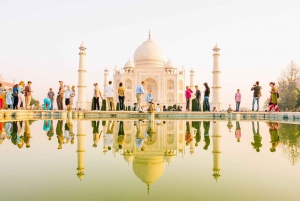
129,64
169,64
149,53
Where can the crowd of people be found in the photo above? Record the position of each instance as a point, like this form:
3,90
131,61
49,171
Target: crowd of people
19,133
20,96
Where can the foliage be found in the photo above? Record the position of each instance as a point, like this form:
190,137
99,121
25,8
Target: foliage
287,85
35,103
290,141
103,106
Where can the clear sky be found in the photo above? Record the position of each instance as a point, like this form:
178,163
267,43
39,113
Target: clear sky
39,40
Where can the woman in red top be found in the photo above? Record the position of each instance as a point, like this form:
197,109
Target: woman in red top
188,95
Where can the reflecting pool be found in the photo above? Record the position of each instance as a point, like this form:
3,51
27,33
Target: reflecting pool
149,160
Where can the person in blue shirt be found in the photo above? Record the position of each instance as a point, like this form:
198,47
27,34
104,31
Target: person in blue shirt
139,91
47,103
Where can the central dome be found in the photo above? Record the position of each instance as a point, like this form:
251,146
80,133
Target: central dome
149,53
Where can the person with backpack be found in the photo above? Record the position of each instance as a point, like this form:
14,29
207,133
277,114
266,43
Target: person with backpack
274,97
15,95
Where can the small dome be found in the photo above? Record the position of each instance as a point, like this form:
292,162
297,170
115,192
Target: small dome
129,64
169,158
149,53
128,157
169,64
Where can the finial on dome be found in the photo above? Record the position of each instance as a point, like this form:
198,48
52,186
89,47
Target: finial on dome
149,34
148,189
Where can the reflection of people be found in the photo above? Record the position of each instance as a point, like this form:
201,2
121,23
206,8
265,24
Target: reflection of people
67,133
256,137
206,126
237,131
188,135
47,103
273,129
46,125
198,132
96,135
121,135
50,132
109,134
59,133
139,140
20,134
8,129
27,135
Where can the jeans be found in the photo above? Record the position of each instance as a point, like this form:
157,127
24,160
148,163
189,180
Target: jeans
253,103
198,105
96,105
188,100
121,101
237,106
206,106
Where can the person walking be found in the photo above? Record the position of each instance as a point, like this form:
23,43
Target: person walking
15,95
139,91
237,98
97,94
188,95
60,96
67,97
51,95
206,106
72,95
28,95
273,98
1,96
121,94
198,98
9,100
110,96
256,95
21,96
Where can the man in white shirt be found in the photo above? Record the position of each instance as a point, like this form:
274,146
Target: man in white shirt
110,96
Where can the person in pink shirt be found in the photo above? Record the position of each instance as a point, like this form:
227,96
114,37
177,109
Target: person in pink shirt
188,95
237,98
238,132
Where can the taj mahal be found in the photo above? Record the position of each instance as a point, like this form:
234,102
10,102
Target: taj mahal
167,82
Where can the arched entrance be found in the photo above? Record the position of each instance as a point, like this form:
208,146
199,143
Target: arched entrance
152,84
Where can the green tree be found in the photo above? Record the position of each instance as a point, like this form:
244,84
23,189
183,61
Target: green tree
35,103
287,85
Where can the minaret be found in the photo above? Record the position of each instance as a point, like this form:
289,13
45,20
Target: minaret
216,86
81,102
105,81
216,149
80,148
192,85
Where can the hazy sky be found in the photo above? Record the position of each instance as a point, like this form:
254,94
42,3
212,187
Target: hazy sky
39,40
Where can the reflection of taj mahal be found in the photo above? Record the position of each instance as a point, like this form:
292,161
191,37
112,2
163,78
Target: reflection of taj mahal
168,139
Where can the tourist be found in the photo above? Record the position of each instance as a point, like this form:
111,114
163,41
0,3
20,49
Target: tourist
164,108
68,93
237,131
59,133
1,96
47,103
110,96
72,96
9,99
121,95
237,98
28,95
157,109
121,135
273,97
139,91
60,96
21,96
97,94
256,138
256,95
134,107
16,97
149,98
273,130
180,109
214,109
188,95
206,106
51,95
206,126
198,98
109,135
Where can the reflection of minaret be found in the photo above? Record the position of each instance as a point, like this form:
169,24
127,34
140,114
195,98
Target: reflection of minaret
104,137
192,144
80,148
216,149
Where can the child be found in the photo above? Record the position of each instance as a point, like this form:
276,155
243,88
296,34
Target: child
9,97
47,103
